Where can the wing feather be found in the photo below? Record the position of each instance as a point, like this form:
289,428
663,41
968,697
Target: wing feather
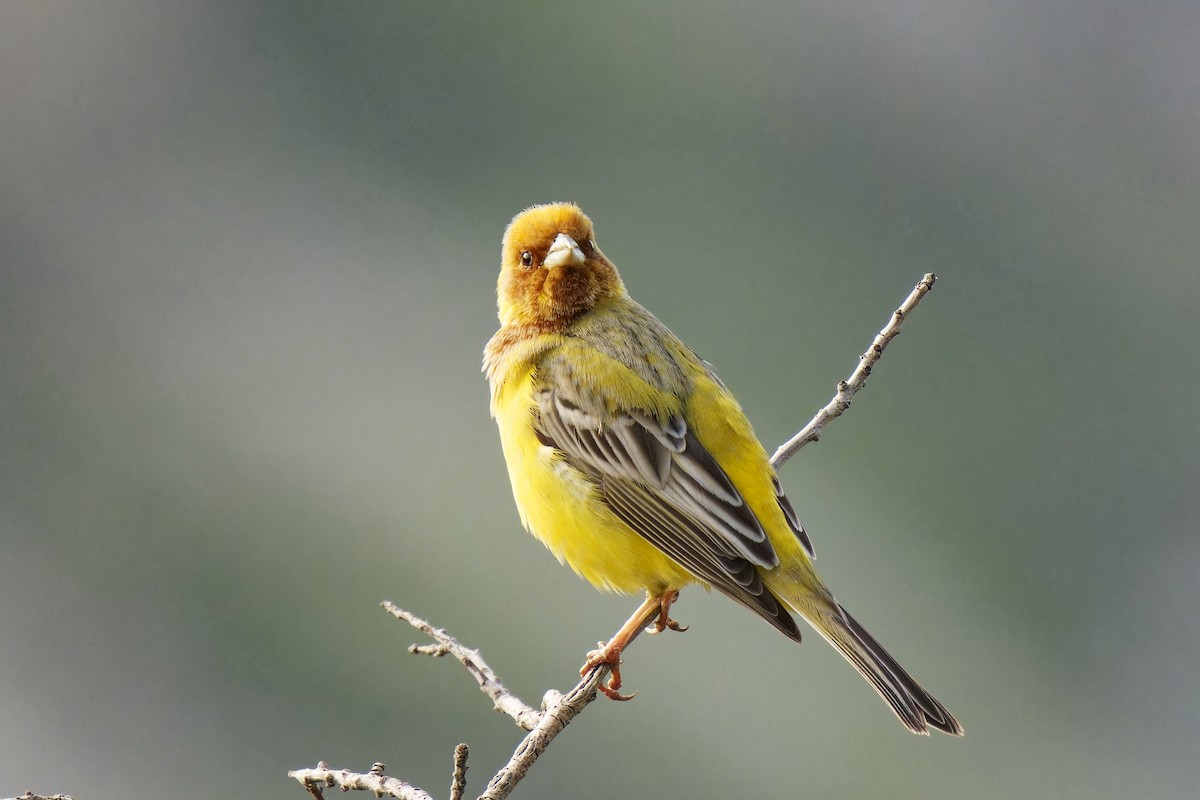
668,530
793,521
660,480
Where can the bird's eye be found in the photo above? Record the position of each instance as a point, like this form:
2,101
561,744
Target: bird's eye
527,259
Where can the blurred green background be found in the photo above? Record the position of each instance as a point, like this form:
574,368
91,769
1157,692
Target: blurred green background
247,265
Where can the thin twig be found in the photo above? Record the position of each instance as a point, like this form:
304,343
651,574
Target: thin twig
505,701
374,781
32,796
556,717
847,388
558,709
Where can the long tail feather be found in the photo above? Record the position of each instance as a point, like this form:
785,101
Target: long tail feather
916,708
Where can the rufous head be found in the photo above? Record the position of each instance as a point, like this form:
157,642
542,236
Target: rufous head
551,269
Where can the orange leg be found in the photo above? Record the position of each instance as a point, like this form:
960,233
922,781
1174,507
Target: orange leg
610,654
664,621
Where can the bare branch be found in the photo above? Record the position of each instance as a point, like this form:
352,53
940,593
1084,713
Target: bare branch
505,701
558,711
556,717
533,745
374,781
847,388
31,796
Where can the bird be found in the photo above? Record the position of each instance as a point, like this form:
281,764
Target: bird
635,465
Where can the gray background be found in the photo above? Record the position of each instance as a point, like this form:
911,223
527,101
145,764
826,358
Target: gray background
247,264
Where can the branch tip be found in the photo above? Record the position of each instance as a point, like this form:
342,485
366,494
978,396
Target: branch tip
846,389
458,779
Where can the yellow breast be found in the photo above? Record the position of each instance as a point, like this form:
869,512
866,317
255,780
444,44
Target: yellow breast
562,508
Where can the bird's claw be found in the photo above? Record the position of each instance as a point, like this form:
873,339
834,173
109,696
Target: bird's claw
610,657
666,625
664,621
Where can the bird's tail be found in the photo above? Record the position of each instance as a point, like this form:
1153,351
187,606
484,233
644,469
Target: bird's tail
915,707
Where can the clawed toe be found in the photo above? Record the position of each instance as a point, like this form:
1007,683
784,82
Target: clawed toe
611,686
664,621
607,656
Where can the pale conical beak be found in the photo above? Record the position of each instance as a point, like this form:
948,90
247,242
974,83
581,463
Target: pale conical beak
564,251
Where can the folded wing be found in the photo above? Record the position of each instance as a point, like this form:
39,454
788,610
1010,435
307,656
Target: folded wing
659,480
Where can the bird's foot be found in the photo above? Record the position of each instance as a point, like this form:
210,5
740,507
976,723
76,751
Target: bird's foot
664,621
656,607
608,655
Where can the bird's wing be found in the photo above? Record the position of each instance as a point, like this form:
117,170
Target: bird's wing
659,479
785,505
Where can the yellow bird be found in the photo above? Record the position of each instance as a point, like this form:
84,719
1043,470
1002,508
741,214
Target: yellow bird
632,462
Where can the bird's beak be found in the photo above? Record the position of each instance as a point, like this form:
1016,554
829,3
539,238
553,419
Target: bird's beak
564,251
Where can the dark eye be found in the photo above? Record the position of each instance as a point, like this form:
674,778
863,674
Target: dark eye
527,259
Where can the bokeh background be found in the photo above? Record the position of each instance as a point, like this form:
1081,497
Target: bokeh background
247,265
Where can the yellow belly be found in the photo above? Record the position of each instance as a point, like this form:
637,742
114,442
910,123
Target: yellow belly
561,507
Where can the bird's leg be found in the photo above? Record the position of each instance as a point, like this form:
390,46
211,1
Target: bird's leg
664,621
610,654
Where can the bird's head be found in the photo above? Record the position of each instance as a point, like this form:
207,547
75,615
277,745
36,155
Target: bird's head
551,270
